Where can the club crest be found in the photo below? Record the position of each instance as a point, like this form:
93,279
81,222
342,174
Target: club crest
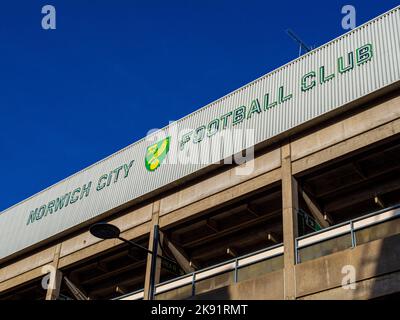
156,154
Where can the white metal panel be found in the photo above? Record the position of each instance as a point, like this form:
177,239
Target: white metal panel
324,235
174,284
260,256
376,219
381,71
134,296
210,272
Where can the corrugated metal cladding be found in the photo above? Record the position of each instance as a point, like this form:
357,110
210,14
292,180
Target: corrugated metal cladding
378,70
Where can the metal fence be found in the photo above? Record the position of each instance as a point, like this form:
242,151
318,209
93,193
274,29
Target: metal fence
192,279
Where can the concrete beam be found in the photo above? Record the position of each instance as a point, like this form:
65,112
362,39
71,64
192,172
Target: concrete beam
213,225
314,209
20,279
121,290
328,218
378,200
104,245
193,264
371,117
221,197
232,252
365,194
290,206
344,147
53,290
230,230
359,170
179,255
272,237
76,292
147,284
250,209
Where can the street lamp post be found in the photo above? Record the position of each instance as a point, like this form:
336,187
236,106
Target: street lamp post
106,231
153,263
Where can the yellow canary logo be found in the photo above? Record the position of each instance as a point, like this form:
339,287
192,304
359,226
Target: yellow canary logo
156,154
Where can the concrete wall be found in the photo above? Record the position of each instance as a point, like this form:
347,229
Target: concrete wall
267,287
322,278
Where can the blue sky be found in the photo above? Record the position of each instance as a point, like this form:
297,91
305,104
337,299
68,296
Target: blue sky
112,70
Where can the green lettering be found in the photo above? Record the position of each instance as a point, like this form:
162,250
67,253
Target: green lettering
32,216
100,184
41,212
224,119
199,134
213,127
86,190
364,54
68,197
350,65
239,115
127,167
185,139
305,85
74,196
282,97
254,108
50,207
268,105
322,77
116,171
60,202
109,178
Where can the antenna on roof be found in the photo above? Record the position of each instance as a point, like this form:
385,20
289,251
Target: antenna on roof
298,41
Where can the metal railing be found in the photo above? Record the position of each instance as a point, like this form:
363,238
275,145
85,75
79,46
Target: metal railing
349,227
226,266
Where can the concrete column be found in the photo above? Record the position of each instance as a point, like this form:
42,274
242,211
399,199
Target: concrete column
155,220
53,291
289,216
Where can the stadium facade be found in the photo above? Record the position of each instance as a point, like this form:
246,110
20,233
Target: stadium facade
287,188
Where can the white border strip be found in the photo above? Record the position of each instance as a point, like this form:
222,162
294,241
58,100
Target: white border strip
261,256
135,296
208,273
174,284
376,219
324,235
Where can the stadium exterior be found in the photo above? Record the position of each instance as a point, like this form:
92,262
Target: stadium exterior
308,208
